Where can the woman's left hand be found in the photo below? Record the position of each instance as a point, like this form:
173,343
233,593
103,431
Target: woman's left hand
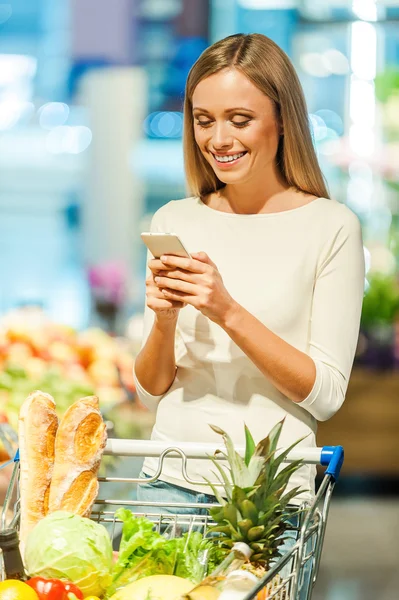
196,281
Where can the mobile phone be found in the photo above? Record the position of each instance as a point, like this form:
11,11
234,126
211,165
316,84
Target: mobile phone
164,243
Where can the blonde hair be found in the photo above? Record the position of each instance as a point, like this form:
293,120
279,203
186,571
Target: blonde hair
270,69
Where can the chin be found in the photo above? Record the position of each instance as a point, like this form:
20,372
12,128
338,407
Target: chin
230,177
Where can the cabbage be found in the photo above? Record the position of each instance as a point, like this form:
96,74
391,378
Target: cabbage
67,546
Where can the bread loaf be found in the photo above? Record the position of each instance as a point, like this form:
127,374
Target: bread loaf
79,445
37,428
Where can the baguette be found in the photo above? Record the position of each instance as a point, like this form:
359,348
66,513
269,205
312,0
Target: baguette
37,428
79,445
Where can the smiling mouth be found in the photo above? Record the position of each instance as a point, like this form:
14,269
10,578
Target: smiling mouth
228,159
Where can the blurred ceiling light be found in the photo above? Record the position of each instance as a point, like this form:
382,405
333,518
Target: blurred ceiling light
365,9
161,9
267,4
362,102
331,119
14,67
363,50
361,170
319,127
313,63
5,12
81,139
12,110
359,196
362,140
330,145
164,124
335,62
53,114
72,140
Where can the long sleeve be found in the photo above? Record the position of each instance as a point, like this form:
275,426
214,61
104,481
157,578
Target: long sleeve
150,401
335,319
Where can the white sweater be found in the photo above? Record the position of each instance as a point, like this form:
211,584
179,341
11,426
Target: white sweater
301,273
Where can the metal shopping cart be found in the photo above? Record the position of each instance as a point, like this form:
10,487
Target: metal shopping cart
292,577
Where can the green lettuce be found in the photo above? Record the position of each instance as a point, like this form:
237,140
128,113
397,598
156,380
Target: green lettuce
67,546
144,552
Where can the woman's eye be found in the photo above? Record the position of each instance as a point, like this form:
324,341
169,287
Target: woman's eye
240,123
204,123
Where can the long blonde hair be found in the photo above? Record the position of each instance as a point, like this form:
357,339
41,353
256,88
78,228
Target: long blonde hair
270,69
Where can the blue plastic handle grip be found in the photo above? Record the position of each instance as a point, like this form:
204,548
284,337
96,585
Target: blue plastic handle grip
16,457
333,458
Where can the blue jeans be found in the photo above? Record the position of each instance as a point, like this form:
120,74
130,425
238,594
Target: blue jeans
161,491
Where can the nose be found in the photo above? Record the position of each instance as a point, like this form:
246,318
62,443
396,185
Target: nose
221,138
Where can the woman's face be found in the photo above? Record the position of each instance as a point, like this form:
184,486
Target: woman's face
235,127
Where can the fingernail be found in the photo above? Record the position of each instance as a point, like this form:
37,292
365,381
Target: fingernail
156,279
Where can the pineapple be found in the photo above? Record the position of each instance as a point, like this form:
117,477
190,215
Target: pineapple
255,509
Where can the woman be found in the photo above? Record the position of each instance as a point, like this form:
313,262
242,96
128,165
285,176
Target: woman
262,323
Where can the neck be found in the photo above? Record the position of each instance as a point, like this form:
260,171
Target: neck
255,197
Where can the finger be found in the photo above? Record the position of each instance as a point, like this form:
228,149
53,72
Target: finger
165,304
176,284
178,274
186,264
158,301
204,258
175,295
155,265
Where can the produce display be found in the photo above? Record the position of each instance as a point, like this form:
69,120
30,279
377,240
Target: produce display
68,556
36,353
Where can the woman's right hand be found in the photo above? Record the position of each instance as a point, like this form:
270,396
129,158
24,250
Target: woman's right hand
165,310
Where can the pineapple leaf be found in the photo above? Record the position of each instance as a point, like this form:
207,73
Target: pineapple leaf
224,480
269,444
216,492
238,496
280,481
276,462
249,511
217,514
217,429
284,500
230,514
256,533
244,526
239,473
249,445
224,529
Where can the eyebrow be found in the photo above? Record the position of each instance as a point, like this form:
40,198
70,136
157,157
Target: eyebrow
228,110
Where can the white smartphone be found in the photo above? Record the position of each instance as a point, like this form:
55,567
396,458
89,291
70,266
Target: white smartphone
164,243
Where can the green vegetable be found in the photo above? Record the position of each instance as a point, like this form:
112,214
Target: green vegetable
144,552
67,546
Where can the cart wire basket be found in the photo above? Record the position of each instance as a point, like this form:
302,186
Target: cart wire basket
291,577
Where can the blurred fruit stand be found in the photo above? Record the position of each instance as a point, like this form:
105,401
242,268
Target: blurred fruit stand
36,353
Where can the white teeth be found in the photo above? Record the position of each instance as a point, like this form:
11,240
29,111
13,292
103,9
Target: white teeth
228,158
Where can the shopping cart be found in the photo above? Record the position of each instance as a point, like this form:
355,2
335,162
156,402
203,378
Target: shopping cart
292,577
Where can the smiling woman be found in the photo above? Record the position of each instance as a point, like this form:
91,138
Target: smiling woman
260,324
267,124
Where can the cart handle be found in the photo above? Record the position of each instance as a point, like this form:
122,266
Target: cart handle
333,458
330,456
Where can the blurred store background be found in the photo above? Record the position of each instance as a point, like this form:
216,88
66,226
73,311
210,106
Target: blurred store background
91,96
